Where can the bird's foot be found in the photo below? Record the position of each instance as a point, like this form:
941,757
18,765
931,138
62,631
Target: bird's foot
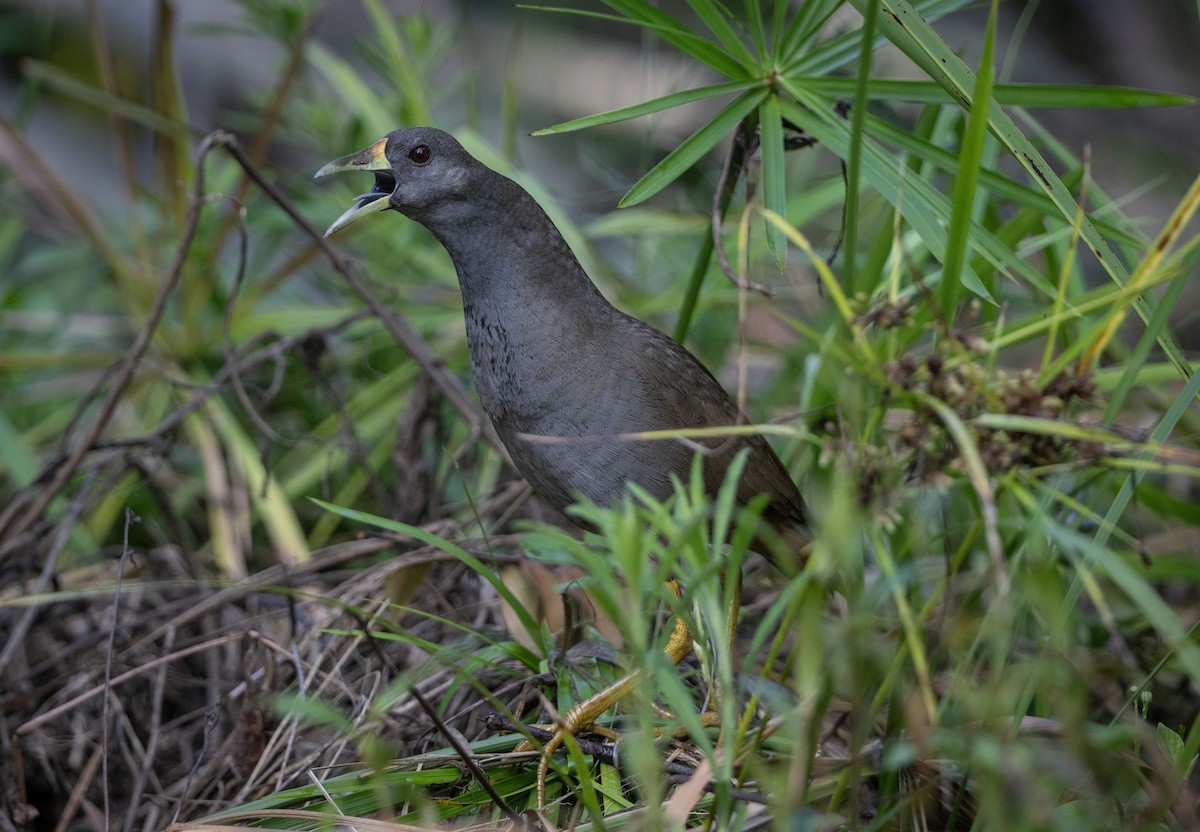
584,714
580,718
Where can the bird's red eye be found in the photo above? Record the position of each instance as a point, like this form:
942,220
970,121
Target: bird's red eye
420,154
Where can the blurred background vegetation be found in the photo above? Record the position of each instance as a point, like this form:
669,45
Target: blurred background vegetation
1012,641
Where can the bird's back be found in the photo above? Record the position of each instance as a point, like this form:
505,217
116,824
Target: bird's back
566,401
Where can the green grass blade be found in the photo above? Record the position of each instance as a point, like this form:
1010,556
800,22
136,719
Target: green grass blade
1159,322
351,90
404,70
969,159
904,27
272,505
805,25
1135,586
453,549
854,157
1159,434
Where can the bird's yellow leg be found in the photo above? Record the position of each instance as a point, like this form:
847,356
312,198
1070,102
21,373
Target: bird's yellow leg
679,645
711,717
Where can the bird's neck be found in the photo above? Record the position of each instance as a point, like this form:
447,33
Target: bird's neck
532,314
509,254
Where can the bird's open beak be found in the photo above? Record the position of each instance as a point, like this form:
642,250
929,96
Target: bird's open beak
372,159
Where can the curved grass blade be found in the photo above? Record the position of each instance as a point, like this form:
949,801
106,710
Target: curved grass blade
430,539
1141,352
1152,262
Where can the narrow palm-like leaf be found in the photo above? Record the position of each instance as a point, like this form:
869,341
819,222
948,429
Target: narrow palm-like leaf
679,36
905,28
646,107
704,51
779,28
717,21
1060,96
841,50
774,175
806,22
692,148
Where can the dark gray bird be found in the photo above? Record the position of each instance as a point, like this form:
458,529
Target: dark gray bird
563,374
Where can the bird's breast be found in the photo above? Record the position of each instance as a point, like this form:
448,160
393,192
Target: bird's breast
518,371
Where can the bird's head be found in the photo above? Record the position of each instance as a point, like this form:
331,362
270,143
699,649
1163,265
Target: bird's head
415,170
